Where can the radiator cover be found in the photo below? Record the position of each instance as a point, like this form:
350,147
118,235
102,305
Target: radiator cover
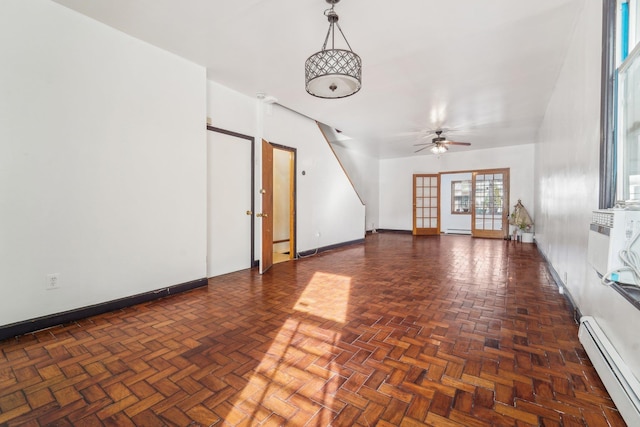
622,385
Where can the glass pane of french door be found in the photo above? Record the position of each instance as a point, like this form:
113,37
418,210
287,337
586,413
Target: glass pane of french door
426,202
490,197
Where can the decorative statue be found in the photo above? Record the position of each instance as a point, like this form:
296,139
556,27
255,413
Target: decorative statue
520,218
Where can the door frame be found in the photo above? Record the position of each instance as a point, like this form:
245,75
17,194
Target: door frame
253,262
293,208
473,172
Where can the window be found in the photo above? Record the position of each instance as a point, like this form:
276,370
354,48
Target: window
620,114
627,103
624,30
461,197
628,130
627,33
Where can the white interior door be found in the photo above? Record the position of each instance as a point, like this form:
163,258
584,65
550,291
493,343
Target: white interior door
229,208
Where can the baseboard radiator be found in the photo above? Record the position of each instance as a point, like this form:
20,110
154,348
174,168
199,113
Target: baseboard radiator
622,385
457,231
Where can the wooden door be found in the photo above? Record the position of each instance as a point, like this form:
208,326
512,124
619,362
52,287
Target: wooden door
266,261
426,204
490,190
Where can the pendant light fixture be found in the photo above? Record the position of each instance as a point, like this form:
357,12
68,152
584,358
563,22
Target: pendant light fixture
333,73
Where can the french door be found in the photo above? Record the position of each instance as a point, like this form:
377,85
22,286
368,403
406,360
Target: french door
426,203
490,189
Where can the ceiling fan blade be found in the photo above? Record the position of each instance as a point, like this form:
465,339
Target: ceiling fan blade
422,143
423,148
457,143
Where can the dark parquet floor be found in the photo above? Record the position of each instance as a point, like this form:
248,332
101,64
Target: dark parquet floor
401,330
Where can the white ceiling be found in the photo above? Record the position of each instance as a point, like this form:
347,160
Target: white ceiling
483,68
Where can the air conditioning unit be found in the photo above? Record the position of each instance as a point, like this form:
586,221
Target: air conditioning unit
611,231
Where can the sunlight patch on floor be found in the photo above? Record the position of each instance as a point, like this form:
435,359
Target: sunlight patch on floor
289,367
326,296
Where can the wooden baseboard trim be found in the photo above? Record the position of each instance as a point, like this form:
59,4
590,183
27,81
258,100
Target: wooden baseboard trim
388,230
44,322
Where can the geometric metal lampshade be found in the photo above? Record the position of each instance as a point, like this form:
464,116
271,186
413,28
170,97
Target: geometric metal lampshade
333,73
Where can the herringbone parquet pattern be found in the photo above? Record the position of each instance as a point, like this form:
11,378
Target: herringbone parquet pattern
441,331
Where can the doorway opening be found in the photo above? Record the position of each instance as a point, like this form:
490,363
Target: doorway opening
284,203
464,202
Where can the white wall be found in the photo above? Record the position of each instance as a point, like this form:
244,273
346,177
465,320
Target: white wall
364,172
231,110
567,165
102,163
396,178
326,201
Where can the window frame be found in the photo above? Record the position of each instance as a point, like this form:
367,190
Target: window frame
620,36
611,64
468,194
608,172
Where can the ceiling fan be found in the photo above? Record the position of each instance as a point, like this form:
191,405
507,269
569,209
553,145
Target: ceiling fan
439,144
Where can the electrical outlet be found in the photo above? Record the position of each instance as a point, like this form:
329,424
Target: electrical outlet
52,281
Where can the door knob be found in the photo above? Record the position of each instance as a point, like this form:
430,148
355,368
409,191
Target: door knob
249,213
262,215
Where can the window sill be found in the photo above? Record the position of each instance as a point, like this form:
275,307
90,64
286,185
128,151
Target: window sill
630,292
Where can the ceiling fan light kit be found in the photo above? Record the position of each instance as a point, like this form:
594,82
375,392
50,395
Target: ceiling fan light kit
439,144
333,73
439,149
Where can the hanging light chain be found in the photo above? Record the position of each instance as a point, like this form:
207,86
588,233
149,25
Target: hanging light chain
326,39
343,36
332,16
